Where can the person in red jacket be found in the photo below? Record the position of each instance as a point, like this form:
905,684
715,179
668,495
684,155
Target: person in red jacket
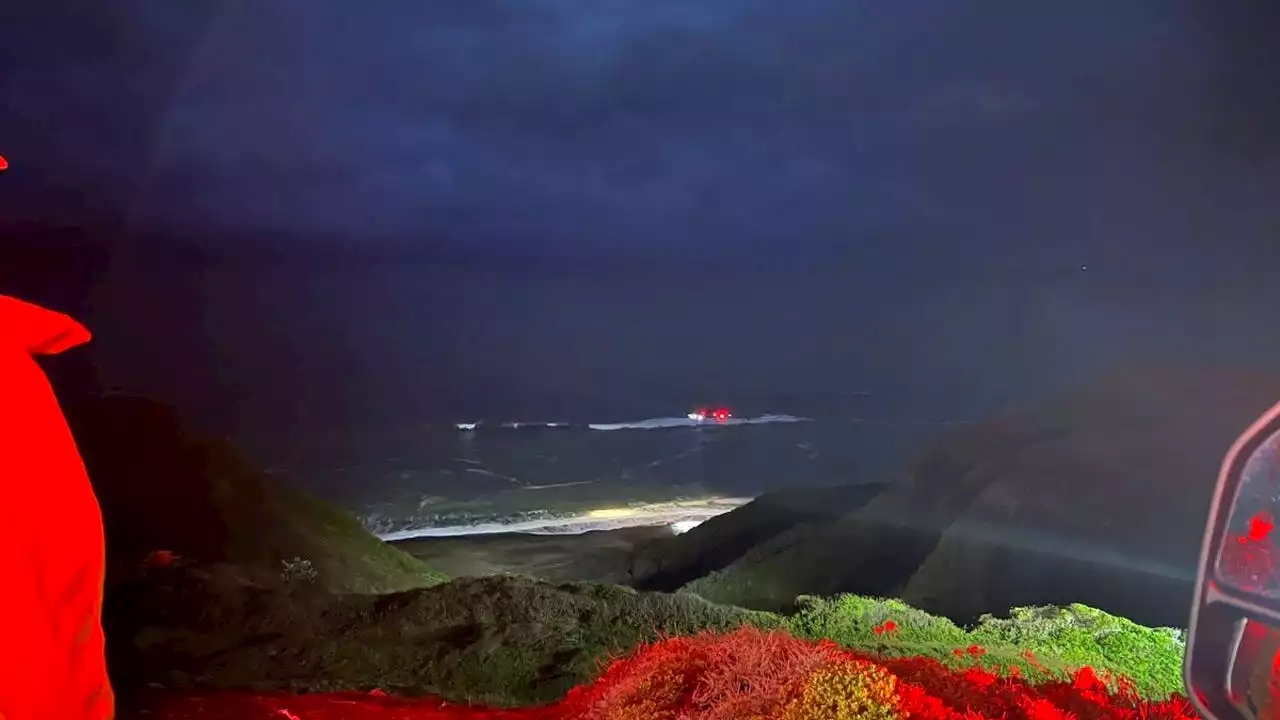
52,651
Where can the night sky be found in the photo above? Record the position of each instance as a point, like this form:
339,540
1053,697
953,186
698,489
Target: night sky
298,216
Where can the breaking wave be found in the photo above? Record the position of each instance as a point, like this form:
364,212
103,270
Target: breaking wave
647,424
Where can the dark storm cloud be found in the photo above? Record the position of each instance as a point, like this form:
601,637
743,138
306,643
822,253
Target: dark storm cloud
83,88
610,126
613,128
536,127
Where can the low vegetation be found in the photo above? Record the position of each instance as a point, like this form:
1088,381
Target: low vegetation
513,641
1042,642
764,675
499,640
754,674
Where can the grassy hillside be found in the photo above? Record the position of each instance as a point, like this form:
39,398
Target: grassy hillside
1097,496
876,548
669,563
1059,639
515,641
497,640
750,673
163,488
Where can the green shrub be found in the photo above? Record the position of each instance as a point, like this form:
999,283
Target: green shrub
1081,635
851,620
1040,642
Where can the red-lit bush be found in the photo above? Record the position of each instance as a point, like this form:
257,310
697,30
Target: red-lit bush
748,673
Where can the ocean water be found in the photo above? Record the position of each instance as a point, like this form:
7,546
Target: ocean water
548,477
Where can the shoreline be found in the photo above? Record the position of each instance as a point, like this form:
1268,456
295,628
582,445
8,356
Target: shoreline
593,556
684,514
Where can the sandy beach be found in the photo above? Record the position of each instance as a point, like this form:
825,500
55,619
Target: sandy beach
601,555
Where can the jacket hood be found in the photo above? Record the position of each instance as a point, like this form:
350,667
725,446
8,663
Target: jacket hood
37,331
